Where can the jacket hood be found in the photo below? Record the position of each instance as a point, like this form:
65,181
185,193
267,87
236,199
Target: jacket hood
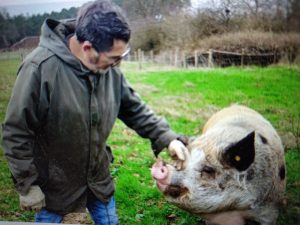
54,35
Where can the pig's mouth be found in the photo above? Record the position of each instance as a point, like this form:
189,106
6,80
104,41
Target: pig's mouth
161,173
175,191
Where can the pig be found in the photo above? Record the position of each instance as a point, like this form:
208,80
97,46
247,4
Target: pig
234,173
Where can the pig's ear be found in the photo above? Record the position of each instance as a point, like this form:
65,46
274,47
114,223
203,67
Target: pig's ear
240,155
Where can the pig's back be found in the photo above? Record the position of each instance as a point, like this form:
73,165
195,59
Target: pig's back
249,119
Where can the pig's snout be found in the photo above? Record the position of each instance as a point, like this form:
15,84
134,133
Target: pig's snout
160,173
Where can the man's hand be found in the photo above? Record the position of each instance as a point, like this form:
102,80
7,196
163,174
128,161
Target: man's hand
33,200
178,152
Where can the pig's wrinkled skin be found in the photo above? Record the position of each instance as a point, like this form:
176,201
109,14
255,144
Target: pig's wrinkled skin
234,173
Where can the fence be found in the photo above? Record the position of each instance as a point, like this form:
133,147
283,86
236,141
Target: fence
211,58
18,54
224,58
184,59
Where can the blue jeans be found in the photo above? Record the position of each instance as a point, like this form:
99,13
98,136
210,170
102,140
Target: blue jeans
102,213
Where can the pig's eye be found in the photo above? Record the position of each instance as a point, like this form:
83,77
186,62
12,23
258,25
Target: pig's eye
208,170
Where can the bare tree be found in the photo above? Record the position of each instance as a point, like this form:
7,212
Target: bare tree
292,8
153,8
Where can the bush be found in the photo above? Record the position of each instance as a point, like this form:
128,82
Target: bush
148,37
254,42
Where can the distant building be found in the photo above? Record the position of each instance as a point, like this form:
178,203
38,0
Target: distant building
26,43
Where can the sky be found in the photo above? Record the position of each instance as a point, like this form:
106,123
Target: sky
30,7
22,2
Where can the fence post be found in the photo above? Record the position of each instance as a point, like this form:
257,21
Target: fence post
164,58
151,56
129,57
275,57
140,59
196,58
242,57
23,53
210,58
171,55
135,56
176,57
183,59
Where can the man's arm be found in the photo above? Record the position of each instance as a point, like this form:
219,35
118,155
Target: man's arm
136,115
19,127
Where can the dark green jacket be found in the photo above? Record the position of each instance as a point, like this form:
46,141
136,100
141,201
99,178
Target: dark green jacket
58,120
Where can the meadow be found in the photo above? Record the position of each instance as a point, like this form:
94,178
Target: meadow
186,98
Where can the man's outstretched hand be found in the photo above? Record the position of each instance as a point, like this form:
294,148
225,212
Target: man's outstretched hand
178,153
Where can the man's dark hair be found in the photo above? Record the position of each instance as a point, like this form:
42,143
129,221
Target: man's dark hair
100,22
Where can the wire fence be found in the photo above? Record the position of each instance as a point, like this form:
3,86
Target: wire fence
184,59
17,54
211,58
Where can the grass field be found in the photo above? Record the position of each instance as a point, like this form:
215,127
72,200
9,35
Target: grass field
186,98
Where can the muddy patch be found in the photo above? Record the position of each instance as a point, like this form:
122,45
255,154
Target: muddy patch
76,218
145,90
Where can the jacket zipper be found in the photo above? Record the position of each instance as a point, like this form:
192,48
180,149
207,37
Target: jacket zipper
90,88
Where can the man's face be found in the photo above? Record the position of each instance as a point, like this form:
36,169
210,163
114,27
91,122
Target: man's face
96,61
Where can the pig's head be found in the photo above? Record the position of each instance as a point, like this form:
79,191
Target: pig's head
214,177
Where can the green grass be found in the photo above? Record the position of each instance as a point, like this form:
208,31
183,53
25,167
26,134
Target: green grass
186,98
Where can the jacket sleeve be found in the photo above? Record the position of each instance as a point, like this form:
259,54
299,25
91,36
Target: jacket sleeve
20,125
136,115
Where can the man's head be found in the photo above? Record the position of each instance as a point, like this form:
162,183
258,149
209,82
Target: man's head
103,32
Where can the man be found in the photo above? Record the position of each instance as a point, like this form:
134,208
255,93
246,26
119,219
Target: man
67,96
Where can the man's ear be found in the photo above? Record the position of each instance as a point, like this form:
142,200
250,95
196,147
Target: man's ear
87,46
240,155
